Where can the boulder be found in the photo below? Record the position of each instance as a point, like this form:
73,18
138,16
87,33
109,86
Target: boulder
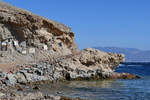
2,94
11,79
89,63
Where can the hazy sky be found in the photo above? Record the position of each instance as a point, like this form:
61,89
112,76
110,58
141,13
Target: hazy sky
121,23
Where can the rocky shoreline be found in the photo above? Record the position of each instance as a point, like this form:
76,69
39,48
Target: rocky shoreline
63,69
33,96
43,50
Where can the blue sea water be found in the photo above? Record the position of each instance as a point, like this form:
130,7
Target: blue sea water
136,89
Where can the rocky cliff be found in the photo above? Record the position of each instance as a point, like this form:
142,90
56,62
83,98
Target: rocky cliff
34,49
34,30
22,30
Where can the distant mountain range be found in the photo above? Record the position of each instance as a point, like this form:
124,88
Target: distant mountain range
131,54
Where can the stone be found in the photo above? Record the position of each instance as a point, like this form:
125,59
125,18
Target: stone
11,79
15,43
32,96
34,77
2,75
2,94
45,47
23,44
19,88
124,76
38,72
24,52
36,88
90,62
21,78
31,50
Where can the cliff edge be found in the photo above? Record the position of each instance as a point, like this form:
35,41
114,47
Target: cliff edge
26,37
35,49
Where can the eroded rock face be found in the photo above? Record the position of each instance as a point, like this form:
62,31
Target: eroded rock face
25,26
35,30
88,63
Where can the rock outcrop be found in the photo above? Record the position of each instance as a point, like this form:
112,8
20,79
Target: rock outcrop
89,64
21,36
62,58
24,26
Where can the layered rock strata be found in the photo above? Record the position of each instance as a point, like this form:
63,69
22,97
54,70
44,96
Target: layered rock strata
34,30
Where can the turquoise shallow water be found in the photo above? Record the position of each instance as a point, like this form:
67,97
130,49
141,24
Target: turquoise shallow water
137,89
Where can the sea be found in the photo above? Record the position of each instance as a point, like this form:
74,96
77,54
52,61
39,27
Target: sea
135,89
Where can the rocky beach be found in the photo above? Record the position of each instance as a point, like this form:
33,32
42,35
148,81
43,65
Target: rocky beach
35,50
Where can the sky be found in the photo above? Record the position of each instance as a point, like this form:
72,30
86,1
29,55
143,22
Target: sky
119,23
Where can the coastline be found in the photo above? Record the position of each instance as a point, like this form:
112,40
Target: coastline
29,38
36,74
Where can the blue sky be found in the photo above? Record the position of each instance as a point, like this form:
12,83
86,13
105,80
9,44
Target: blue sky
121,23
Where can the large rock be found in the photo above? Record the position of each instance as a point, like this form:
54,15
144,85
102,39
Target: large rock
89,63
11,79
